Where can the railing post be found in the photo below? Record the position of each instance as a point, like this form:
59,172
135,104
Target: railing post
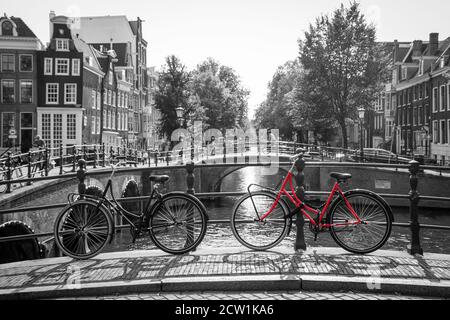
8,172
46,161
81,175
136,158
29,168
167,157
61,157
190,178
95,156
74,158
300,192
103,155
84,152
414,197
156,158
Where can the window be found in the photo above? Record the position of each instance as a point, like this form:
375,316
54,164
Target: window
46,129
93,125
97,125
7,28
435,99
415,116
26,91
442,99
442,62
52,93
420,115
71,126
109,97
435,132
26,120
8,63
408,116
404,73
26,63
70,93
75,67
420,91
62,44
113,98
104,119
94,99
48,66
8,122
98,100
420,68
8,91
443,132
62,67
448,96
57,130
110,78
426,113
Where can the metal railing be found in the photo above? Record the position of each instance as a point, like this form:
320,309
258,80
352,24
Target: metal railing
412,195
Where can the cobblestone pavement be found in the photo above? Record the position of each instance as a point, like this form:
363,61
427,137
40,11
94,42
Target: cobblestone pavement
130,267
287,295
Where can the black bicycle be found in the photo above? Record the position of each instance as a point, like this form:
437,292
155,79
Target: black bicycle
176,221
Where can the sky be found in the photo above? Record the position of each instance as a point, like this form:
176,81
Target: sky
253,37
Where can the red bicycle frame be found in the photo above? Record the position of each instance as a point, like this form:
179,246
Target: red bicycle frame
307,210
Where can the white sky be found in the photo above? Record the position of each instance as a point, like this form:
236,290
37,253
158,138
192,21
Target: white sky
253,37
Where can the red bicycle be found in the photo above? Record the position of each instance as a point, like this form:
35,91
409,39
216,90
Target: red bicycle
359,221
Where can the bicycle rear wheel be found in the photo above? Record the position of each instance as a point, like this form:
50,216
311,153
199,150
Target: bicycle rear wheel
246,224
178,223
82,229
360,238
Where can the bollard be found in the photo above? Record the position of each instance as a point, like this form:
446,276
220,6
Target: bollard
46,161
190,178
414,197
81,175
61,159
103,155
167,157
156,158
8,172
300,192
74,158
95,156
29,168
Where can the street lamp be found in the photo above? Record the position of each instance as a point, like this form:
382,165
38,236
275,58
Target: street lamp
361,112
179,110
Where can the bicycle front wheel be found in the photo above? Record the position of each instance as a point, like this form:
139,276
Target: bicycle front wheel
82,229
366,237
247,226
177,224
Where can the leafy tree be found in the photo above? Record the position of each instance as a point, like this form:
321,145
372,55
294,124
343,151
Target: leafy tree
276,111
339,57
172,92
221,95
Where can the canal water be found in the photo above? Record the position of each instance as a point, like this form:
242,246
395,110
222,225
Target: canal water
220,234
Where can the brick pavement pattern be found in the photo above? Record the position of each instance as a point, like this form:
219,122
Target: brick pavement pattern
159,266
256,296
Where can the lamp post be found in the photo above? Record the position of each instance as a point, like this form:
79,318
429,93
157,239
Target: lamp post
179,110
361,112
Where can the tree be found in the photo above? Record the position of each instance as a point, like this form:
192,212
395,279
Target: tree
172,92
341,65
276,111
221,95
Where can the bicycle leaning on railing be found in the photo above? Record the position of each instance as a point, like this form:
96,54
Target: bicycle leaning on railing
176,221
359,221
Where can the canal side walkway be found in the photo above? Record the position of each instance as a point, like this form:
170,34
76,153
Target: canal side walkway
229,270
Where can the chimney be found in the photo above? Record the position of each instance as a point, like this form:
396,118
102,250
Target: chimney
395,50
51,15
417,48
434,44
